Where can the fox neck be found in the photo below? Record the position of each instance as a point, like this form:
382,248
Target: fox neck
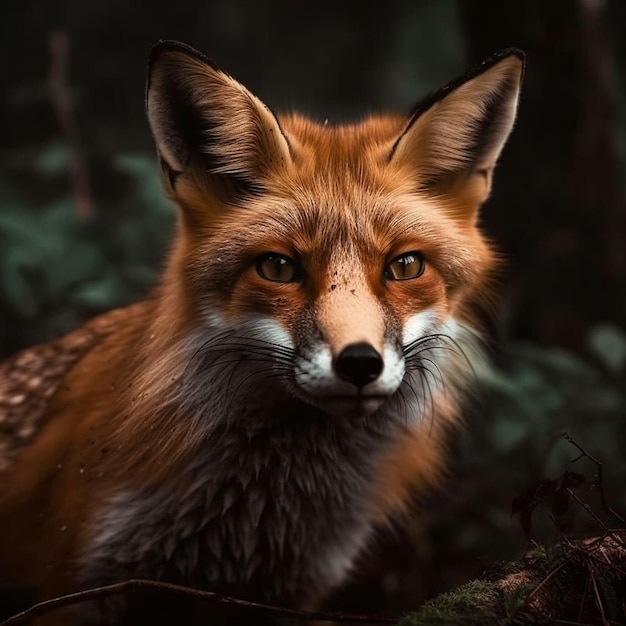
275,498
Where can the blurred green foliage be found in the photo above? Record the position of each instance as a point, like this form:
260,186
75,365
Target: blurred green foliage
513,438
515,433
57,270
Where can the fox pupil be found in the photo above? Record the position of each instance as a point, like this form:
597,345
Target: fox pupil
406,266
278,268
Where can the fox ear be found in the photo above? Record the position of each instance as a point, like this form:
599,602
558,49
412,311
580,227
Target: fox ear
204,120
453,138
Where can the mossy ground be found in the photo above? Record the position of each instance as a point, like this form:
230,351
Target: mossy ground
470,604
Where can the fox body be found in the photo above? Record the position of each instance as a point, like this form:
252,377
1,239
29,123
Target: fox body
289,384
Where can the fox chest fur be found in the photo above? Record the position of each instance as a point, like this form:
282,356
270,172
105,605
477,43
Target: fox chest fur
263,511
289,385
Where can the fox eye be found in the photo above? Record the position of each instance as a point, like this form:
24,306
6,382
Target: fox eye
278,268
406,266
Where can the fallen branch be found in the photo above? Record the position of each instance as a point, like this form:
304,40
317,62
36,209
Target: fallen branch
532,590
131,586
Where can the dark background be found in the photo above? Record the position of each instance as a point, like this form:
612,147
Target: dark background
84,227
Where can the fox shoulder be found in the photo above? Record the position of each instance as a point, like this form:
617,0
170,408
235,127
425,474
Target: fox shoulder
31,378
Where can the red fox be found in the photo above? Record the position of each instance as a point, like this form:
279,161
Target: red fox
288,386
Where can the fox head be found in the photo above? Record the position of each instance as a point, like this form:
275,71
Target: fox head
345,262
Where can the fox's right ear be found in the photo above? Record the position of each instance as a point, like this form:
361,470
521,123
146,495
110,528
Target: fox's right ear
453,140
205,123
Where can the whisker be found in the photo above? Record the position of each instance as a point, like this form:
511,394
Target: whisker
461,351
230,379
434,364
424,370
415,395
247,349
249,344
415,348
228,358
430,394
402,404
244,350
257,376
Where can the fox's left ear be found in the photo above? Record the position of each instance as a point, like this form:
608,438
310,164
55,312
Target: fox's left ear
453,139
207,126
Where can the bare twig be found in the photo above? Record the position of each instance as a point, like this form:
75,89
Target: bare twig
589,509
137,584
598,599
538,587
594,547
581,608
600,483
564,621
588,556
62,103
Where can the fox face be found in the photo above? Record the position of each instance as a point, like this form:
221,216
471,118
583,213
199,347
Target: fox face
346,258
342,315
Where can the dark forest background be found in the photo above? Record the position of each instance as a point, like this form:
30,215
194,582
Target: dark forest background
84,227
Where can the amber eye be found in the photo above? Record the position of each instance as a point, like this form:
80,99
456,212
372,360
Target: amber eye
278,268
406,266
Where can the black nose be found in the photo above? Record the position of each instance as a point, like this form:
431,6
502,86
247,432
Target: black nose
359,363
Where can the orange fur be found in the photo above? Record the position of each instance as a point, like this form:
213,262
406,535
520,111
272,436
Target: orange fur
344,201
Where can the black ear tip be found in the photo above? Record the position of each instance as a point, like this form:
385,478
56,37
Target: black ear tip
512,52
165,46
494,59
520,55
